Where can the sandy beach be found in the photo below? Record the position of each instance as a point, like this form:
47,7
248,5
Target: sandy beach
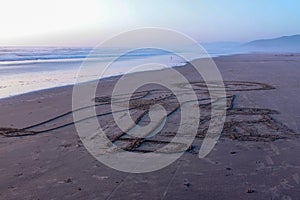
42,156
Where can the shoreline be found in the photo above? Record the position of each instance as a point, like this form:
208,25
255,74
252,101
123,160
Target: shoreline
117,76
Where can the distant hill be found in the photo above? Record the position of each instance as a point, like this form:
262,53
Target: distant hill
285,44
282,44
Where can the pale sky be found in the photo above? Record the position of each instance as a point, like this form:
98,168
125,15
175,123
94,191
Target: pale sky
88,22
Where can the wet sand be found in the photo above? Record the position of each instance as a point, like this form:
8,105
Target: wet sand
256,157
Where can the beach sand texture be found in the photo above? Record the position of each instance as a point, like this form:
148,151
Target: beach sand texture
256,156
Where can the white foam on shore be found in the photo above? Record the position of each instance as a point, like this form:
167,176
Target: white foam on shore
12,84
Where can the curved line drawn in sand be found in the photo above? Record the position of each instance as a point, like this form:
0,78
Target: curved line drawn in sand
242,124
92,133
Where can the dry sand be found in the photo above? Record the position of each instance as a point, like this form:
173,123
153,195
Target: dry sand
255,158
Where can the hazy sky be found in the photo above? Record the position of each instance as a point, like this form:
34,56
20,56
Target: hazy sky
88,22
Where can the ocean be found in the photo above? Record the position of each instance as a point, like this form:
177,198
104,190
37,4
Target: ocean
27,69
